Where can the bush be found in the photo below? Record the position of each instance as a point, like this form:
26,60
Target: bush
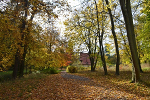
71,69
81,68
50,71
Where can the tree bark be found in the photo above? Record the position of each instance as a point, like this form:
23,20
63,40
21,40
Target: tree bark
20,58
115,39
127,14
22,65
91,58
139,52
133,74
140,65
16,65
92,64
103,60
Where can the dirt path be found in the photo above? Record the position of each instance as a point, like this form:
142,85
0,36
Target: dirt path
69,76
71,87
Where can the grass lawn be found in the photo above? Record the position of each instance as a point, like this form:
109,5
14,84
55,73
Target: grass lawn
7,75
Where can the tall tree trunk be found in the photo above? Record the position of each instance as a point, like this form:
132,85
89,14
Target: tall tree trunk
140,62
91,58
25,34
100,37
90,52
103,60
126,10
133,74
129,55
20,58
22,65
115,38
139,51
140,65
92,64
16,65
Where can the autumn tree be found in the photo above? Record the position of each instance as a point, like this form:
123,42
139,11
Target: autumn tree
114,36
7,40
100,32
127,14
47,51
85,28
83,33
25,29
21,15
142,30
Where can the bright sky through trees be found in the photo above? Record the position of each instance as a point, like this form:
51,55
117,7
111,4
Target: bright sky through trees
74,5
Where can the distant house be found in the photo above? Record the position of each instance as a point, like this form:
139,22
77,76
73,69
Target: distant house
84,58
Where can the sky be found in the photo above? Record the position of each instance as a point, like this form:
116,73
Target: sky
75,5
73,2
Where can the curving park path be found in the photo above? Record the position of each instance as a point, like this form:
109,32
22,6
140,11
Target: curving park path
66,86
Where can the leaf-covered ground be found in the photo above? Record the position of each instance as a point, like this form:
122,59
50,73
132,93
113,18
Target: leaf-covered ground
92,85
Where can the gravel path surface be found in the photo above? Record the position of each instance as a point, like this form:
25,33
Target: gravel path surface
69,76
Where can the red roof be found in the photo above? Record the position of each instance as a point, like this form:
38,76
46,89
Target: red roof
84,58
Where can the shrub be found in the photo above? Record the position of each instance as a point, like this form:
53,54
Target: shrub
81,68
71,69
50,71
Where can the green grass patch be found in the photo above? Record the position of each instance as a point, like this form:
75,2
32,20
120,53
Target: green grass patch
50,71
7,75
